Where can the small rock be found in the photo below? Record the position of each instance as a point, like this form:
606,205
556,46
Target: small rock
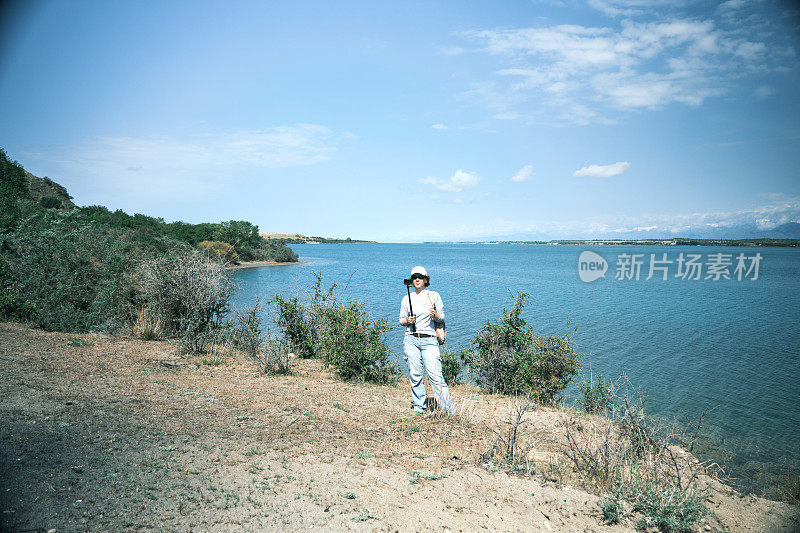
707,528
51,530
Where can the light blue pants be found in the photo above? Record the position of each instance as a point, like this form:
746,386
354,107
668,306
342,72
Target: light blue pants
422,353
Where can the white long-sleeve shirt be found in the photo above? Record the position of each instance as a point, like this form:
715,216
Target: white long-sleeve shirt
421,305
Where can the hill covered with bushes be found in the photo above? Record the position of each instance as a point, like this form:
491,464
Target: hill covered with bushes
75,268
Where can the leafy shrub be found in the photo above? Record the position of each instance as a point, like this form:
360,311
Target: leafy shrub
343,335
294,319
13,186
453,365
189,291
243,237
49,202
74,273
12,305
353,343
508,357
597,394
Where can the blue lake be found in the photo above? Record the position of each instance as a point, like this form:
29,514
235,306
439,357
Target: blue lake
728,345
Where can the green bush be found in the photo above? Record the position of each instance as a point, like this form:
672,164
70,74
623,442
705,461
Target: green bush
50,202
508,357
294,319
12,305
74,273
453,365
597,394
343,335
353,343
13,186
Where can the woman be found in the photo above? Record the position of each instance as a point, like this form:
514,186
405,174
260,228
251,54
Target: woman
420,345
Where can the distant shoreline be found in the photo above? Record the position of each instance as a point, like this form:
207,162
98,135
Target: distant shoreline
257,264
779,243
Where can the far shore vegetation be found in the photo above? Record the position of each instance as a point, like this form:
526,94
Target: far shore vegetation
299,238
649,242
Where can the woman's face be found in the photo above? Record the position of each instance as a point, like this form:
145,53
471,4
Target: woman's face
419,281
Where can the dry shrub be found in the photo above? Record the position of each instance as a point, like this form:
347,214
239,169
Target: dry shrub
148,325
276,358
246,332
189,292
630,456
510,445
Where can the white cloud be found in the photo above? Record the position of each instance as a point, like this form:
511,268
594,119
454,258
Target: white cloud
764,91
439,126
458,182
523,174
584,74
603,171
195,165
631,8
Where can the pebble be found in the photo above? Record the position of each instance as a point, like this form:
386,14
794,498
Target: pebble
51,530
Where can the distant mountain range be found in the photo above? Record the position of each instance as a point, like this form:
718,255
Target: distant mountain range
790,230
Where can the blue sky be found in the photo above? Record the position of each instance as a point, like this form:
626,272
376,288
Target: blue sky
413,121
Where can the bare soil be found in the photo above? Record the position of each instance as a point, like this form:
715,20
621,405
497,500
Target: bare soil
106,433
258,264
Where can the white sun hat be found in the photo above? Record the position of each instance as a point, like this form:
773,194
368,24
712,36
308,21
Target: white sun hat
419,270
422,272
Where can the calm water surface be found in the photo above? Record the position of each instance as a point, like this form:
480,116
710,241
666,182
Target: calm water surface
729,346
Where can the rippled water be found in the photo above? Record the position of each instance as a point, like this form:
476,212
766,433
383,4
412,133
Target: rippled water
729,346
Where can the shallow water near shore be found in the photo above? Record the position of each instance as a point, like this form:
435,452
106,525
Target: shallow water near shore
730,346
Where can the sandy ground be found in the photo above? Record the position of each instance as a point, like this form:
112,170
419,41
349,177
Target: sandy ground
257,264
113,434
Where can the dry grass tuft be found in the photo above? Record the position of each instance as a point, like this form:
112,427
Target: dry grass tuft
148,326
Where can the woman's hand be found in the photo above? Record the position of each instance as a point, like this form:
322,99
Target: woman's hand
410,319
432,314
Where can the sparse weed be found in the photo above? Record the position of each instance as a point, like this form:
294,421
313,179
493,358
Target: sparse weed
363,515
597,394
275,359
246,332
508,448
631,457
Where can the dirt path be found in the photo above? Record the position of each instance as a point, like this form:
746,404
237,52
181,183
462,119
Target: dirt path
110,434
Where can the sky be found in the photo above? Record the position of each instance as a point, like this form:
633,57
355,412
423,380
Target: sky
414,121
